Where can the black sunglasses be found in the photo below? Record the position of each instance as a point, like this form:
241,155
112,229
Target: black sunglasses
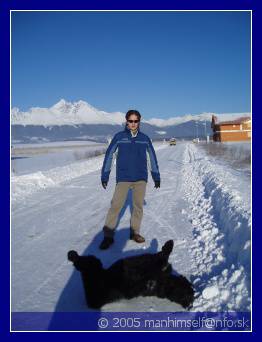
131,121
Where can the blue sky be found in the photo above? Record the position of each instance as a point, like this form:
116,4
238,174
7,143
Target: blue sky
163,64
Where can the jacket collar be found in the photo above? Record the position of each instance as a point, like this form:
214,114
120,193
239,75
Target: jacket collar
129,130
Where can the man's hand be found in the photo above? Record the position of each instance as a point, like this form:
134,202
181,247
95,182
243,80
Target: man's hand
157,184
104,184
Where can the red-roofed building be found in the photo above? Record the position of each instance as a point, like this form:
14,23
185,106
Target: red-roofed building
235,130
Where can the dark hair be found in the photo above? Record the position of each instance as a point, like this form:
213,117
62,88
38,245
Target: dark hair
133,112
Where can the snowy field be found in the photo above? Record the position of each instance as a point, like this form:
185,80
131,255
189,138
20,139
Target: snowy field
235,154
28,158
204,205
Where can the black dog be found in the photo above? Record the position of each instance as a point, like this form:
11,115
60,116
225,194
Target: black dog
142,275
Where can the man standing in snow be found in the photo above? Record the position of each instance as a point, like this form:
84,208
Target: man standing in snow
134,152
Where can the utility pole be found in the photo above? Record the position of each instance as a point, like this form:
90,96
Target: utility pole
197,129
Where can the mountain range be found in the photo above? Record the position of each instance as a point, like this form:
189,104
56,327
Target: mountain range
81,121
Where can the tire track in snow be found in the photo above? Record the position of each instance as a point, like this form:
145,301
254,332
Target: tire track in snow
164,213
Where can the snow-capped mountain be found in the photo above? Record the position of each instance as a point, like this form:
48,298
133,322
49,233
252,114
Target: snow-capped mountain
194,117
80,121
65,113
82,113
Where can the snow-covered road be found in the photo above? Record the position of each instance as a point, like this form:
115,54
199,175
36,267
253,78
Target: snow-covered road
203,206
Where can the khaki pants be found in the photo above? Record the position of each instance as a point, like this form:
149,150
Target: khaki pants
117,202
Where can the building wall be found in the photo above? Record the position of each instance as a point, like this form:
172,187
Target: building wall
229,127
232,132
246,125
232,136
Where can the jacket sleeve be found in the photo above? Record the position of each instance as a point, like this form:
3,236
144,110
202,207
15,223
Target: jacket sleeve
108,160
153,161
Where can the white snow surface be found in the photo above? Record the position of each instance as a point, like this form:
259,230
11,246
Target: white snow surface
30,158
205,207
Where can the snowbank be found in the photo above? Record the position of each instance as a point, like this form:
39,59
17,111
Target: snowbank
236,154
221,220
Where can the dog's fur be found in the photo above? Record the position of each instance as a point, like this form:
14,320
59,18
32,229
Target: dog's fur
142,275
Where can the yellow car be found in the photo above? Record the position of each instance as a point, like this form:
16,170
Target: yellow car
172,141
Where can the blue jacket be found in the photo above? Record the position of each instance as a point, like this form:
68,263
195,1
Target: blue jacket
132,156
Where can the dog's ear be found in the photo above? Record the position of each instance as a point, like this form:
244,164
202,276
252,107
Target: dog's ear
72,256
168,247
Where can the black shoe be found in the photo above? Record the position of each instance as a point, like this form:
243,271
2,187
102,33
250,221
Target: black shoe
136,237
106,243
